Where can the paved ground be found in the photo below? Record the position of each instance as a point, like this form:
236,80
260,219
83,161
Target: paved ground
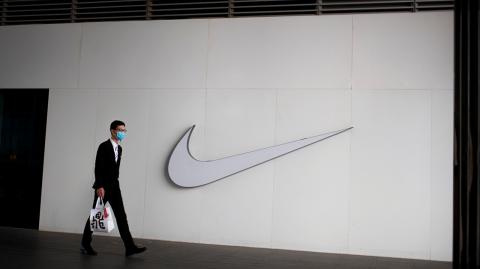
21,248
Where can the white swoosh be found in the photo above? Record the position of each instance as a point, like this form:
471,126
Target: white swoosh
186,171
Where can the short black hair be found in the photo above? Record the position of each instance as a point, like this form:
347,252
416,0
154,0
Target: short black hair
115,124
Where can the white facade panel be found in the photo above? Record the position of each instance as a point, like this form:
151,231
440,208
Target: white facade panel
40,56
311,188
237,210
67,192
441,230
403,51
172,213
390,184
243,120
154,54
286,52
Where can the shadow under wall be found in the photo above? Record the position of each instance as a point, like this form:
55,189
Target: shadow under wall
23,118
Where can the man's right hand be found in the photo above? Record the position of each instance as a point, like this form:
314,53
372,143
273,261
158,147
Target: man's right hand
101,192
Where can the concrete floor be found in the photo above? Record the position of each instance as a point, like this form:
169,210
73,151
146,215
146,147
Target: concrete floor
22,248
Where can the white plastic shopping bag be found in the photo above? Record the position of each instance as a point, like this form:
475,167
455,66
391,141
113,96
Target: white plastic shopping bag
101,218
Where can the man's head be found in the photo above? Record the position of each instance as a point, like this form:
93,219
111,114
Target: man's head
117,130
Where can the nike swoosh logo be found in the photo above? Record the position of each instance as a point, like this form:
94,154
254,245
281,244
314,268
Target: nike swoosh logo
186,171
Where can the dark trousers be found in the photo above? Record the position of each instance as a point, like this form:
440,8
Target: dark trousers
114,197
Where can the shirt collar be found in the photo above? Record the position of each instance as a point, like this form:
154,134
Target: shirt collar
114,144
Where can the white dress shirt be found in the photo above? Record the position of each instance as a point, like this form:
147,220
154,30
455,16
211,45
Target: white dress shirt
115,149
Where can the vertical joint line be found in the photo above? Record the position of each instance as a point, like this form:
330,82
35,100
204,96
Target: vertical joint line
319,7
73,11
275,164
4,13
148,10
79,62
430,202
351,52
145,197
230,8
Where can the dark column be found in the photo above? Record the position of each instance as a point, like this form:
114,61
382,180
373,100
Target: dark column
466,237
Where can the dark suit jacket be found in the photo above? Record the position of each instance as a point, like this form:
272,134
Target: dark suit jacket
106,169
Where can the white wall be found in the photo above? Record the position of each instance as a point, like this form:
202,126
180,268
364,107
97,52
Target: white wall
385,188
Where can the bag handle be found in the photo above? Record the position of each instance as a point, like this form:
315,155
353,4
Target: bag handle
100,203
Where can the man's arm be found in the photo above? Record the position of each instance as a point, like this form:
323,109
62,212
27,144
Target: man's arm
99,172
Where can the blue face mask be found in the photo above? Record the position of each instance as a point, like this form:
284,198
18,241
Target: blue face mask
121,135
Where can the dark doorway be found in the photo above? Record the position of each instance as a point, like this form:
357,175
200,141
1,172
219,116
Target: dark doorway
23,120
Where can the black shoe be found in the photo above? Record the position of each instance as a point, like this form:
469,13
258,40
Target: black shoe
134,250
88,250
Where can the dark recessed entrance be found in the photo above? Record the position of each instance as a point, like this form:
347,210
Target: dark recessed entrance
23,118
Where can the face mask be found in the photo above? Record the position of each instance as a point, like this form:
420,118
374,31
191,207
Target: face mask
121,135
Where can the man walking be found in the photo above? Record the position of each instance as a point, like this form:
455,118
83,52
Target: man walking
107,187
